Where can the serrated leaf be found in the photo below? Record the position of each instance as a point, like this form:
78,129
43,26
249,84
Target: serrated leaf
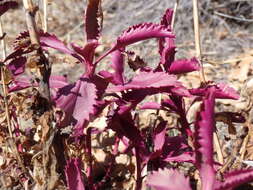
167,18
50,40
77,101
73,174
223,91
167,48
138,33
81,101
22,43
167,53
156,80
142,32
93,12
168,179
204,128
234,179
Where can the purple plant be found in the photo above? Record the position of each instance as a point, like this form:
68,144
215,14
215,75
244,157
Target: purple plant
83,101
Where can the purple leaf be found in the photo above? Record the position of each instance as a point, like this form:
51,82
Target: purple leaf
146,80
87,52
80,101
234,179
22,82
141,32
167,18
174,149
204,128
5,6
92,27
168,51
184,66
159,136
57,81
168,179
17,66
50,40
123,124
73,174
138,33
184,157
22,43
118,67
223,91
167,48
177,105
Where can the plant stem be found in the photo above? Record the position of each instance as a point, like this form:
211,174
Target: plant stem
138,170
45,2
197,38
174,14
218,148
49,163
89,153
30,21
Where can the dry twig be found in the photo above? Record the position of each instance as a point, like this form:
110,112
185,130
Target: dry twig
45,2
174,14
197,38
49,175
11,141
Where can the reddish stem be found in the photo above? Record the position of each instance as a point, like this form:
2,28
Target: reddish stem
89,153
138,170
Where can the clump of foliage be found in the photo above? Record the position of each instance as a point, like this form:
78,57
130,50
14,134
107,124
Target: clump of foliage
54,149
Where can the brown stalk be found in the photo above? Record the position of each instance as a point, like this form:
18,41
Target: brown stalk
45,2
218,148
197,38
49,175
